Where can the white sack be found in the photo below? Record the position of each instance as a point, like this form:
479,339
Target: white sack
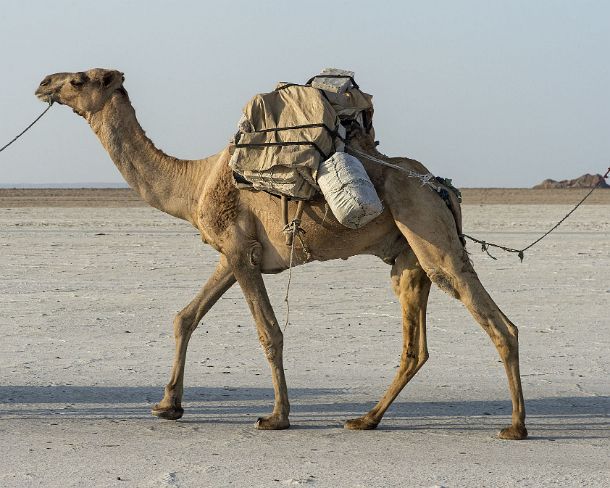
348,190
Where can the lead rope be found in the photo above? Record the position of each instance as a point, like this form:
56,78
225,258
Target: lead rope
427,178
520,252
28,127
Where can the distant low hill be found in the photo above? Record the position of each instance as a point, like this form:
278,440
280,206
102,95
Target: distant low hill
584,181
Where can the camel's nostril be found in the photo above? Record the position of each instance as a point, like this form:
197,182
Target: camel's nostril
45,82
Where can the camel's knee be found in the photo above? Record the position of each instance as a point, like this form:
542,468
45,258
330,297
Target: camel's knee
422,357
513,331
411,364
510,341
504,335
185,323
272,344
414,358
507,349
418,362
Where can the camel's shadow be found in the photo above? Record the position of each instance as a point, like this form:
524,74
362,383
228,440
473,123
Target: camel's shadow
549,417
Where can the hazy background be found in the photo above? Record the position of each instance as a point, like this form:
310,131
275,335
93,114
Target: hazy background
489,93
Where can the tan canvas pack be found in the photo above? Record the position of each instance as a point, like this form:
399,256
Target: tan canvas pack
284,135
283,139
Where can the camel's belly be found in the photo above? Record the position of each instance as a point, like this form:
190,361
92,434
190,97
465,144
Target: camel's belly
325,239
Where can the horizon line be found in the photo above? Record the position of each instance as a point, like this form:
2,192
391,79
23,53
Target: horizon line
101,185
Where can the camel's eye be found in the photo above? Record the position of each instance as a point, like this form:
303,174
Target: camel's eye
80,81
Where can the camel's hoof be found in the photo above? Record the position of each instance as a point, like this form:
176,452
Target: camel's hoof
167,413
361,423
271,423
513,433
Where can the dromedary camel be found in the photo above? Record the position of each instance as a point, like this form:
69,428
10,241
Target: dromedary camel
418,234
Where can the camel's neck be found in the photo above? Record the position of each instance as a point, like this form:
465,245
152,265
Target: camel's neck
169,184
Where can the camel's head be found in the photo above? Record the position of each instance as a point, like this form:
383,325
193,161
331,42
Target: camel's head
85,91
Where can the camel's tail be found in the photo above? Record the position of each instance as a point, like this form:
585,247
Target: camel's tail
453,198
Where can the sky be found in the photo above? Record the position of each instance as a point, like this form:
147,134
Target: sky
490,93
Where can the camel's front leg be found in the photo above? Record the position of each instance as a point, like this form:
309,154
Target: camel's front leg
246,268
170,408
412,286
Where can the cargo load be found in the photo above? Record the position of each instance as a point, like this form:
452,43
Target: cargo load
287,137
348,190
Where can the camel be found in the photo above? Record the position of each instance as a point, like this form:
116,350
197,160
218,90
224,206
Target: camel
418,234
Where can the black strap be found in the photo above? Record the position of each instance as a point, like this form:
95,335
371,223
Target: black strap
333,133
287,85
310,81
270,144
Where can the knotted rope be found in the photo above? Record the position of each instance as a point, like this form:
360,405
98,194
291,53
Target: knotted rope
426,179
294,229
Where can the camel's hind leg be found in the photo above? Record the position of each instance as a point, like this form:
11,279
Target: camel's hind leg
185,323
430,230
411,285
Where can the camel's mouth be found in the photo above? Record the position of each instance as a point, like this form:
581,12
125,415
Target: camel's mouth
47,97
46,90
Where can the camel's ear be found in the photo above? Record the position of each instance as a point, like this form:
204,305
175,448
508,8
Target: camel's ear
107,79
